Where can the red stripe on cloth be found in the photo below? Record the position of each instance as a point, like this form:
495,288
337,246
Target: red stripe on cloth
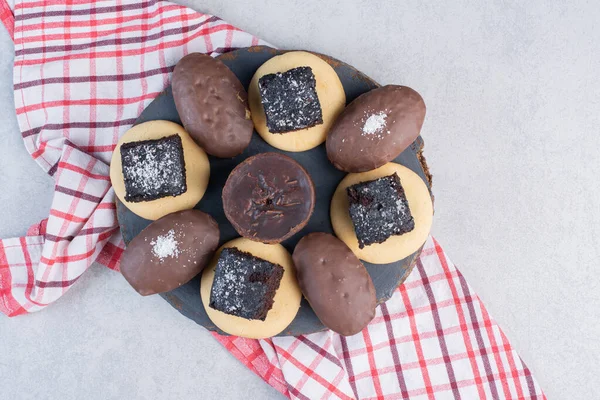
372,365
33,4
320,350
143,81
79,170
313,366
530,383
92,116
120,84
311,373
84,11
297,393
462,320
67,216
38,229
88,79
479,337
439,329
114,41
348,364
419,310
99,149
66,259
99,33
77,193
77,125
83,232
417,343
116,253
40,150
512,364
394,350
30,273
66,94
107,206
66,104
126,53
83,23
61,284
8,304
7,17
184,16
431,279
487,322
461,384
110,255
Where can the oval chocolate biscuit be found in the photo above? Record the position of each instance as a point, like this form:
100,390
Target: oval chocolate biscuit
375,128
212,105
170,251
335,283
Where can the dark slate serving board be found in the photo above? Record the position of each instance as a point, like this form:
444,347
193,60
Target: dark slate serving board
244,62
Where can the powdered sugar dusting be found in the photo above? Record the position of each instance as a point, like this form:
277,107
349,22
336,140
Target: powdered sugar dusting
375,124
290,100
153,168
165,246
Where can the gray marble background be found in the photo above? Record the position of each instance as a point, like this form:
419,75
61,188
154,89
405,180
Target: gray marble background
512,137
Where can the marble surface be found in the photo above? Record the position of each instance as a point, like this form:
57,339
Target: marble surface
512,138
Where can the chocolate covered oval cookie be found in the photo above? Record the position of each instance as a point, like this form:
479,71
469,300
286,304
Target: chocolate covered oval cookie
170,251
212,105
335,283
375,128
268,197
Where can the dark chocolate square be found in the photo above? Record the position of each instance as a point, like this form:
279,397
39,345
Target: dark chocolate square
153,169
290,100
379,209
244,285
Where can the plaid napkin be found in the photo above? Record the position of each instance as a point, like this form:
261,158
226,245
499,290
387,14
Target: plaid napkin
83,72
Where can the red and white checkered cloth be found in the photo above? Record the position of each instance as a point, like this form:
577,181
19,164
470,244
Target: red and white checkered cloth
84,71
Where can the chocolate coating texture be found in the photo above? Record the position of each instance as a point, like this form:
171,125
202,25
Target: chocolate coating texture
335,283
212,105
375,128
170,251
268,197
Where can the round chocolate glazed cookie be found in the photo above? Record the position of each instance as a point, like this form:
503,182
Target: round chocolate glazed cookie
212,105
170,251
335,283
268,197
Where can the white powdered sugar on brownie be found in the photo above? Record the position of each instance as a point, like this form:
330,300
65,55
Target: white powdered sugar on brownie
290,100
153,169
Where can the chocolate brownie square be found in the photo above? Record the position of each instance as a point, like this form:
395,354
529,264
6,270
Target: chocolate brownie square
244,285
290,100
153,169
379,209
